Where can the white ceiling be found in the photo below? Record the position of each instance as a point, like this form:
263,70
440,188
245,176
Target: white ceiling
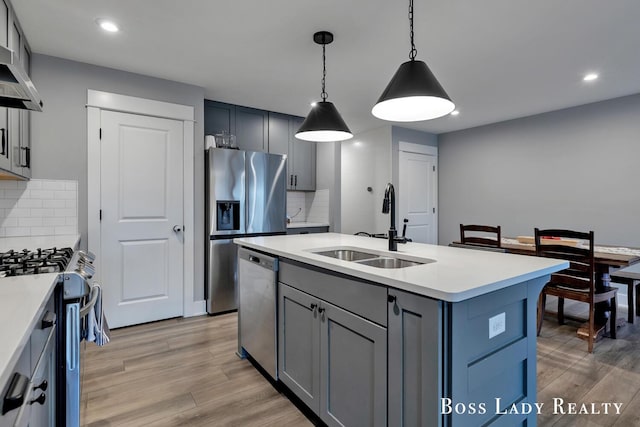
497,59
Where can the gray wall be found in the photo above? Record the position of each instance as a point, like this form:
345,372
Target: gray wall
59,133
576,168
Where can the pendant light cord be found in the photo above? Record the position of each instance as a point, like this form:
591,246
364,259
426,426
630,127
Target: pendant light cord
414,51
324,74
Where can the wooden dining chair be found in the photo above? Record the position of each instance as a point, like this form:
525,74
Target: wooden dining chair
576,282
480,235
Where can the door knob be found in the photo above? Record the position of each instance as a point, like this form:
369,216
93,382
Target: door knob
178,228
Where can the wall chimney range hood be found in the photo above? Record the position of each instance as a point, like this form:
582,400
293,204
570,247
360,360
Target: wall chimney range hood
16,88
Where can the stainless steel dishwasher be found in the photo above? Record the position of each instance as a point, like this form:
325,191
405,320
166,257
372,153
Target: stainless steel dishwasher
257,287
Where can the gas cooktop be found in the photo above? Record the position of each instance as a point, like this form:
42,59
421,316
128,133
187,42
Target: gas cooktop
24,262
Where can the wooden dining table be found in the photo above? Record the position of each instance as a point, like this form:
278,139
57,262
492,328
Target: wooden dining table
607,259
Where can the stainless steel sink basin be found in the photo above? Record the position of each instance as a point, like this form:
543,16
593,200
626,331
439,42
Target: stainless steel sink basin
348,254
385,262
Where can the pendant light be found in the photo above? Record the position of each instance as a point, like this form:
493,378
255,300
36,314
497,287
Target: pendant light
413,94
323,123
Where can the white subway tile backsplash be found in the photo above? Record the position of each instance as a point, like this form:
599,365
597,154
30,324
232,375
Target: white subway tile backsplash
30,222
8,184
65,195
38,207
29,203
65,230
64,212
17,231
41,212
53,221
53,185
15,194
53,204
43,231
10,222
18,212
34,184
42,194
8,203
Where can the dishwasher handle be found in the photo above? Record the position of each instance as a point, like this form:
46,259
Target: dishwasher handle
259,259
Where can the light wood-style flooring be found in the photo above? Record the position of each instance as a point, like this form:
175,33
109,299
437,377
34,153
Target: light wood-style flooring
179,372
184,372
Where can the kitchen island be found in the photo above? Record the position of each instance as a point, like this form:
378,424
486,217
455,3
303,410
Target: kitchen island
447,338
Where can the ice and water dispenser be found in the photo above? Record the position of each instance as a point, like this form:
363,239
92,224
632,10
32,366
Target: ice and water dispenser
228,215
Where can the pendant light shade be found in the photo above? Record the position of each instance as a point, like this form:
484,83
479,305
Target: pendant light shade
323,123
414,93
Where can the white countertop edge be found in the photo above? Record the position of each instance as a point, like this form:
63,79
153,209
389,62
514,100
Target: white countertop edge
307,224
346,267
24,328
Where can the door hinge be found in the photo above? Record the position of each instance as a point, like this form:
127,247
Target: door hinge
100,214
100,133
434,210
434,168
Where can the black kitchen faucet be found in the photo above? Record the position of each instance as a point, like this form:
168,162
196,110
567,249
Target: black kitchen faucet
389,206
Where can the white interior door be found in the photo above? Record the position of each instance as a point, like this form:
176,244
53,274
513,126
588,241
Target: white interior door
417,196
141,201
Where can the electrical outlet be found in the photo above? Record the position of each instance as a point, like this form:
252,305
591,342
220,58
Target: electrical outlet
497,325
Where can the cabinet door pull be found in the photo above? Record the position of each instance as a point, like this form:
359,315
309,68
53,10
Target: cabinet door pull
14,397
321,311
4,143
40,399
296,181
291,181
27,157
391,298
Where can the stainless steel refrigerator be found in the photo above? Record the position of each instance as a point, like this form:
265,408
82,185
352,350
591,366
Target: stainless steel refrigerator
245,196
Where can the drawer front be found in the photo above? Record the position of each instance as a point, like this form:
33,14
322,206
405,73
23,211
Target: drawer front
41,332
365,299
23,368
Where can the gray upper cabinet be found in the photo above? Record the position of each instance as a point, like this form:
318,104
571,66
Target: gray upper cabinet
252,129
219,118
303,154
15,125
301,160
5,160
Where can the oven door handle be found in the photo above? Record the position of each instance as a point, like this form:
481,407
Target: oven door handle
93,297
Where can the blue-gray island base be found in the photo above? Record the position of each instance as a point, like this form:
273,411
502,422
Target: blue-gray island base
358,352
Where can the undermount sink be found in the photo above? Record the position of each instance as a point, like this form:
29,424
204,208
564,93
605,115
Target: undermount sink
385,262
348,254
371,259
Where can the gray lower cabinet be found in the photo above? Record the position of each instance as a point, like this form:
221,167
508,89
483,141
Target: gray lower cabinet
333,360
415,358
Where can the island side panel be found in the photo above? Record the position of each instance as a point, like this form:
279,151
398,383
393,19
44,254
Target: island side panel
492,370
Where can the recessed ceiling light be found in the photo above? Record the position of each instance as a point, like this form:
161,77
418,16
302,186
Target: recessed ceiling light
590,77
107,25
455,112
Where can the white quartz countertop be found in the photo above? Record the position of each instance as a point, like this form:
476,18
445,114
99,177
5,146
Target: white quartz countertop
22,299
35,242
306,224
456,275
